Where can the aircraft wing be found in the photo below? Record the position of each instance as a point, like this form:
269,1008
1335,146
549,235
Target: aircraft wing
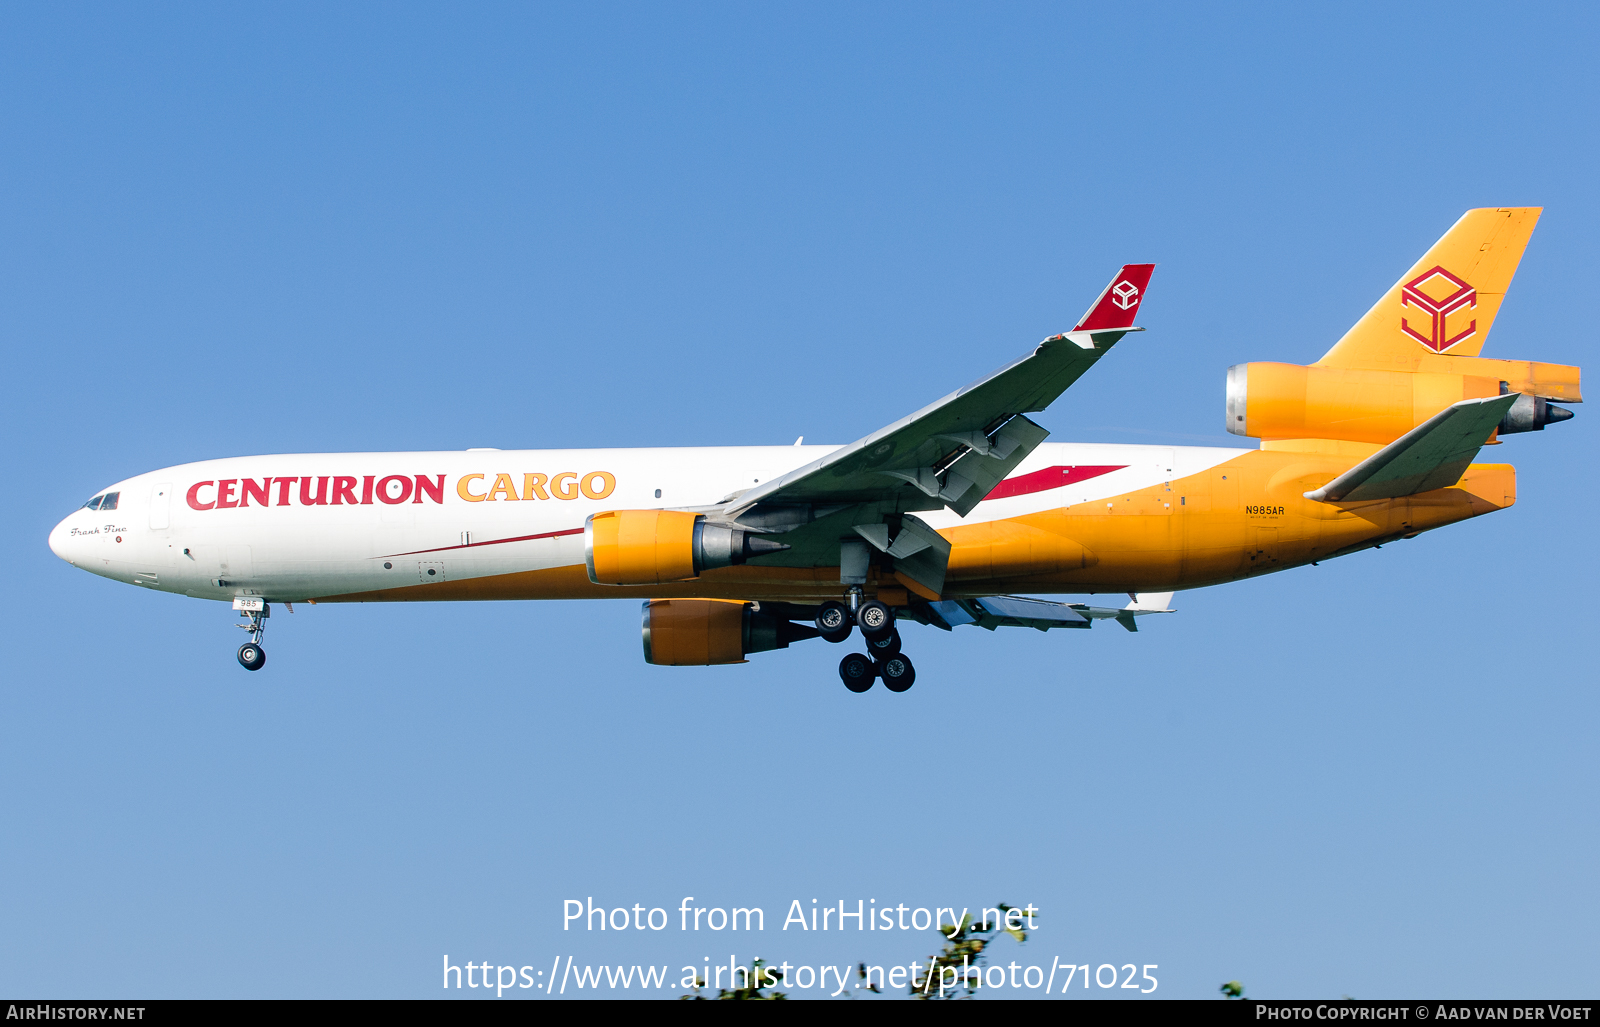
992,612
1433,455
953,452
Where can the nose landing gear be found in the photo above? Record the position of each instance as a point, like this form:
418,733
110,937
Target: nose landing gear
251,655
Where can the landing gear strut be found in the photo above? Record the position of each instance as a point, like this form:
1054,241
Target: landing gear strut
251,655
874,618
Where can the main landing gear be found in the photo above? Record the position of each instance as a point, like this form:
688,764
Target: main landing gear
876,621
251,655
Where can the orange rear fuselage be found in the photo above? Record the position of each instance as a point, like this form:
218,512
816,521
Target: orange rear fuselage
1245,516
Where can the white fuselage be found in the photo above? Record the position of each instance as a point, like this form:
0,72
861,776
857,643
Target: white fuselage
297,527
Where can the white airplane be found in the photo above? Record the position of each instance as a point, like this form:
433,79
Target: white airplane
934,519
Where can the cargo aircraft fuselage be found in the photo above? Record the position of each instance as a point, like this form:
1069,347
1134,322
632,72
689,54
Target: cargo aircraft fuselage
939,518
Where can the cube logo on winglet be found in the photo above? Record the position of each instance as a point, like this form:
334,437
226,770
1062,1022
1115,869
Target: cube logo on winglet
1114,308
1446,301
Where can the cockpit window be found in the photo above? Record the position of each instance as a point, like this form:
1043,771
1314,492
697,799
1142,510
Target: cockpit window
110,501
93,504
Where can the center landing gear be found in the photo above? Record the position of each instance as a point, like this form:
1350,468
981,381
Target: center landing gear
834,622
858,672
876,621
885,661
897,672
251,655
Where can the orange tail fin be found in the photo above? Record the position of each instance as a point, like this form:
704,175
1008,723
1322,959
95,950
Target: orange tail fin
1446,304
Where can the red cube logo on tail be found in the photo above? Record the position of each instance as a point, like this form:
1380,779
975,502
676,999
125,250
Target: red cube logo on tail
1446,301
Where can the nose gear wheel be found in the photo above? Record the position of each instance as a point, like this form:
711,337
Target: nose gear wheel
252,656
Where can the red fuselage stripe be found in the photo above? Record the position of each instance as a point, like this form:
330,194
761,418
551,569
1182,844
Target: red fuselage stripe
1049,478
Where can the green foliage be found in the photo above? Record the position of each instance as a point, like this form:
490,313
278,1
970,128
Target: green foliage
1233,989
966,947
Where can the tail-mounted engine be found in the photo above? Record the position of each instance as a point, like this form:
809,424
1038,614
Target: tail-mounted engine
703,632
1531,413
1289,401
648,547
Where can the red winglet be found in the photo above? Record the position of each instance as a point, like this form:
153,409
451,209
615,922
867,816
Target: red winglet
1120,301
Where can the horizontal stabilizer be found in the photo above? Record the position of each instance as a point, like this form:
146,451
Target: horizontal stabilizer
1433,455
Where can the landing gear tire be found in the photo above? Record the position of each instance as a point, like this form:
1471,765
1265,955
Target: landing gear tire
897,672
252,656
833,622
857,672
875,620
884,648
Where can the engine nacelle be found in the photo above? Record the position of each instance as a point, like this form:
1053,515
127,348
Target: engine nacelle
705,632
649,547
1288,401
1531,413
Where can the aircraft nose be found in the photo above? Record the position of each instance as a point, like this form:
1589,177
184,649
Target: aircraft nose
61,541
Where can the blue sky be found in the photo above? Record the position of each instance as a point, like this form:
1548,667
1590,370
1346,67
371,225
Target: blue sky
290,228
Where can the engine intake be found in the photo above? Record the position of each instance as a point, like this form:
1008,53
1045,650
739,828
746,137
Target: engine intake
707,632
649,547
